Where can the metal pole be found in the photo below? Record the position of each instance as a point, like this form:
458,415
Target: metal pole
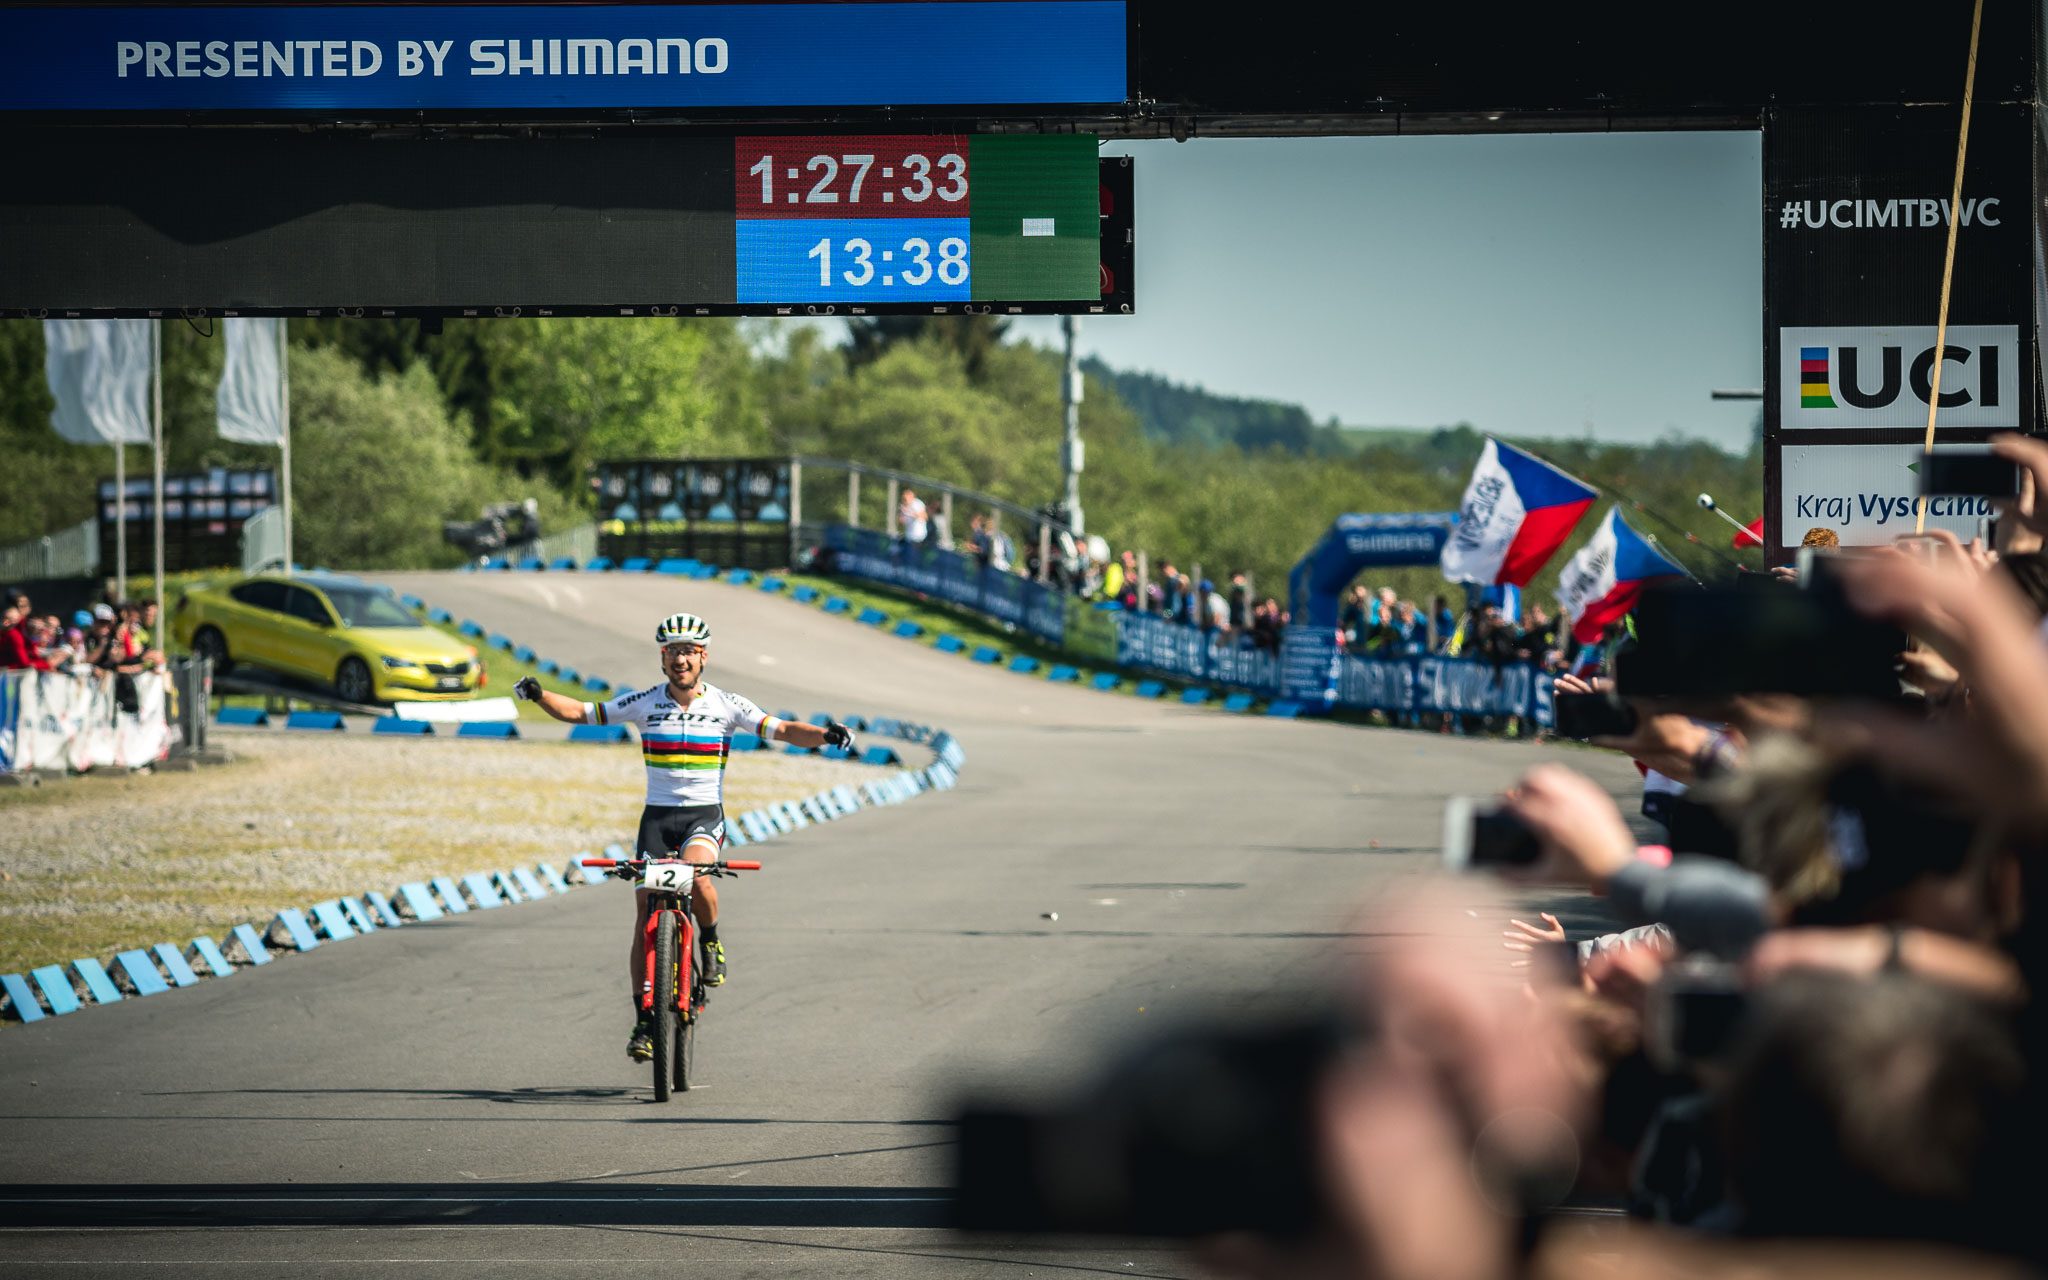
889,523
1144,583
852,499
284,444
156,348
1044,549
796,508
945,538
1070,453
120,520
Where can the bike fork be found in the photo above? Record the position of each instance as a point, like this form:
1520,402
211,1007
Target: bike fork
686,940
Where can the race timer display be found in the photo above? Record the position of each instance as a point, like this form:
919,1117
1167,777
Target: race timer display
839,220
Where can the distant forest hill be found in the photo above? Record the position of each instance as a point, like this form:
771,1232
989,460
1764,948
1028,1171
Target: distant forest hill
1181,415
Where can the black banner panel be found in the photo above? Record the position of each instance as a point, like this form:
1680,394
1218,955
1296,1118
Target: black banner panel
1856,219
105,222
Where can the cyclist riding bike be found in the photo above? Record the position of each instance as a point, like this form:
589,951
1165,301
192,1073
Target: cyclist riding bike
686,727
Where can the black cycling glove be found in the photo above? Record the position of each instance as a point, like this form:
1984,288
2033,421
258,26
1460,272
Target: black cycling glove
838,735
527,689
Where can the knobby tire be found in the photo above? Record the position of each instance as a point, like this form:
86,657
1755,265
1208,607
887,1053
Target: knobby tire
665,1019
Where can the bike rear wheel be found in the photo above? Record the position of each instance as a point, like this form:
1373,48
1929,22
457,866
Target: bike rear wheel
667,1027
686,1052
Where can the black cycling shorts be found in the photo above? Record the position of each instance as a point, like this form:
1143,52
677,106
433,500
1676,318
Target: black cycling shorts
666,828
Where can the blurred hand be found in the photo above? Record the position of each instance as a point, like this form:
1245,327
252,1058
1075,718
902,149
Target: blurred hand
1624,975
1929,672
1662,741
1523,938
2032,457
1584,838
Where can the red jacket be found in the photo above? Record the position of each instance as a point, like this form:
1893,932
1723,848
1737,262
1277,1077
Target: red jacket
15,652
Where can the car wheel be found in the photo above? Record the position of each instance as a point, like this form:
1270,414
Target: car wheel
209,643
352,682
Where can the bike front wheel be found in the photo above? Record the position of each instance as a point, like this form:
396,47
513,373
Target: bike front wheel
685,1054
668,1026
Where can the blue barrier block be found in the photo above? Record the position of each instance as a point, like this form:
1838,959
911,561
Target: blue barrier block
599,565
1286,708
907,629
552,876
332,921
834,753
174,964
880,755
771,583
987,655
757,827
873,617
787,715
500,641
488,729
598,733
419,900
358,915
547,666
1149,689
524,654
480,888
1063,672
1238,702
859,724
949,644
26,1007
804,593
57,990
571,674
848,797
471,627
379,909
1106,680
887,728
1194,697
533,887
142,973
493,562
636,564
94,975
506,885
242,715
562,562
296,929
794,750
402,728
205,951
1023,664
597,684
745,742
412,602
440,615
254,949
533,563
819,718
323,721
591,875
450,894
838,604
740,577
704,572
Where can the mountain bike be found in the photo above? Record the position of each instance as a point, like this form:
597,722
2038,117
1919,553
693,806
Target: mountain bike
673,995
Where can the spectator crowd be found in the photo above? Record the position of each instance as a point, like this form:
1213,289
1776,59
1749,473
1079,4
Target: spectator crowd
1800,1029
111,641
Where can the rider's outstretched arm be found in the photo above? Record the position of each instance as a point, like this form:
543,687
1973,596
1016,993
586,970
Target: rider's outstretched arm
814,735
566,709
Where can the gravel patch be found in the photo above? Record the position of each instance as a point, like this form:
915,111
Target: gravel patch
99,864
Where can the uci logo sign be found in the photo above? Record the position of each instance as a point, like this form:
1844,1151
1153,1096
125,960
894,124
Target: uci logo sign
1882,377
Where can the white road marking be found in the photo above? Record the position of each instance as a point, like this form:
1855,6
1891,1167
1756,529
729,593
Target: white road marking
545,592
573,592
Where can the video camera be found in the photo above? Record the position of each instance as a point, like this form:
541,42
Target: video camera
501,525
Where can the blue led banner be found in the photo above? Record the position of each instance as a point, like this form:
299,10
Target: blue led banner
325,58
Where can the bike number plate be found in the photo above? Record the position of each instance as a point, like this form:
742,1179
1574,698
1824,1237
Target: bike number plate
671,876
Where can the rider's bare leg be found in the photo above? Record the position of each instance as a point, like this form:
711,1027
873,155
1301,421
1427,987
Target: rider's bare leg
704,904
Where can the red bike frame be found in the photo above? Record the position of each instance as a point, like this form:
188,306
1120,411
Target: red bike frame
677,906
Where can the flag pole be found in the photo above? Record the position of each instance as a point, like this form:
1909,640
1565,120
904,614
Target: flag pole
284,444
156,350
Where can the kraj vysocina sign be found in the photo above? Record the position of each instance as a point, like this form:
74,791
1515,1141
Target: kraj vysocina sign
328,58
1865,494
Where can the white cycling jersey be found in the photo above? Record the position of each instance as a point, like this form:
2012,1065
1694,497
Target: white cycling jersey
684,747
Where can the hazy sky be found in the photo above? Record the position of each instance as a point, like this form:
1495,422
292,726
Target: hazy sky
1547,285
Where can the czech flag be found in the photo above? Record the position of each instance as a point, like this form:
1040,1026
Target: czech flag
1600,584
1752,535
1518,510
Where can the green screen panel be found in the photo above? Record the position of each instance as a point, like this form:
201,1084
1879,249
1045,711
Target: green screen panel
1035,218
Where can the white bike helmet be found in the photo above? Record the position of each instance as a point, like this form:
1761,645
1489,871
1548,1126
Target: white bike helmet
682,628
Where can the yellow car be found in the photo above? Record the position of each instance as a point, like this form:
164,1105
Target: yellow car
329,629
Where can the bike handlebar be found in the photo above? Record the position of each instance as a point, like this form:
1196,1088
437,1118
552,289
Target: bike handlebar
701,868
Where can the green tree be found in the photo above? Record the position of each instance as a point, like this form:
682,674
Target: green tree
973,338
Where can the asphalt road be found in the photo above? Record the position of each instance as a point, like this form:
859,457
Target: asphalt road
453,1099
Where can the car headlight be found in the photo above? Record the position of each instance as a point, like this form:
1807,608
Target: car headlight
400,664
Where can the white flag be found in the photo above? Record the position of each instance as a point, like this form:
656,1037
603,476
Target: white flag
99,372
251,399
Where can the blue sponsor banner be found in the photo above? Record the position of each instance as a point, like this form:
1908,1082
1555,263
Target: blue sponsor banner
402,57
949,576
